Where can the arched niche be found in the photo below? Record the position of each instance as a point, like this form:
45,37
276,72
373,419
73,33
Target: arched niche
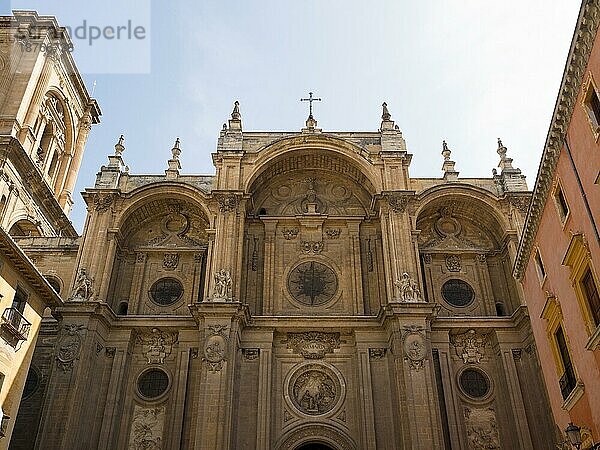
313,206
162,249
24,228
464,257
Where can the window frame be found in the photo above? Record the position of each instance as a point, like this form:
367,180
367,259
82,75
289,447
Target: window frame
541,274
579,260
557,191
590,89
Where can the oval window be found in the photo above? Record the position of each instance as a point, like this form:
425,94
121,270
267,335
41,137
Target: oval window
153,383
458,293
474,383
166,291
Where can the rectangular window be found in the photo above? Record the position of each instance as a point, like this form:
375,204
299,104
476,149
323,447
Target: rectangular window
594,103
539,265
590,291
567,380
561,203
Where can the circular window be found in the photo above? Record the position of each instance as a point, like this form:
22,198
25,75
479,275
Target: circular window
474,383
32,383
458,293
312,283
153,383
166,291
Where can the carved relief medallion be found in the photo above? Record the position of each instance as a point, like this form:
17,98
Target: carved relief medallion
415,348
314,389
69,347
215,347
453,263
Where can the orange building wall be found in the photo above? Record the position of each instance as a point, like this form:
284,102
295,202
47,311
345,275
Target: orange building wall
552,240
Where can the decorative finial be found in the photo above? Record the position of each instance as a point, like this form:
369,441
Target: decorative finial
235,114
310,101
176,151
501,150
386,114
446,151
119,147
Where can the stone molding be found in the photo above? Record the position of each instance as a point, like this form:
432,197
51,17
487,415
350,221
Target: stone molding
581,47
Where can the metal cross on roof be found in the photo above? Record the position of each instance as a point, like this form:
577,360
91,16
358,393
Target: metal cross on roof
310,99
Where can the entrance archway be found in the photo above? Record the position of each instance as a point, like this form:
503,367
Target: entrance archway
314,446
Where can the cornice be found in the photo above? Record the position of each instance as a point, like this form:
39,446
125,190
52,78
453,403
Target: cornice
579,53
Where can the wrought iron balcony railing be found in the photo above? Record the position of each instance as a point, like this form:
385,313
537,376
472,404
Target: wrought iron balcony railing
14,326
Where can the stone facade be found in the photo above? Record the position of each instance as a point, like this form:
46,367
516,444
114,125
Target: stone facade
311,291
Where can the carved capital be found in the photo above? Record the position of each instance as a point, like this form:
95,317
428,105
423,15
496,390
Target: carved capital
228,202
399,201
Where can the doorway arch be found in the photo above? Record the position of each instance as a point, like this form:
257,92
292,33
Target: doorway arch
316,437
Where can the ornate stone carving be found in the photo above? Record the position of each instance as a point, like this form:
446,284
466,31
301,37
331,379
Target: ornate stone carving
251,353
481,257
517,353
470,346
227,202
482,431
333,233
83,289
222,292
290,233
147,428
215,347
453,263
110,351
313,344
377,353
521,203
408,289
399,201
311,246
156,344
102,202
254,259
171,261
140,257
69,346
370,259
427,258
314,389
414,346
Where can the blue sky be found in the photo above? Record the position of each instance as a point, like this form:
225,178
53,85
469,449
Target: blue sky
464,71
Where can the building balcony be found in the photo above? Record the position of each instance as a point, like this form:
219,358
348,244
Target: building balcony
14,327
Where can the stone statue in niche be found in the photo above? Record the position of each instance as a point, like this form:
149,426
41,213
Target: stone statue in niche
409,291
223,283
83,287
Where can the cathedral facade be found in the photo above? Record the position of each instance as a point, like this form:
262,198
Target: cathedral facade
310,294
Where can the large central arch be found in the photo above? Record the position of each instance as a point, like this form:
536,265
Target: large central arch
325,435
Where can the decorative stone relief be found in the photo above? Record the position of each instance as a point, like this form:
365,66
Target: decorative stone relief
453,263
147,428
222,291
415,347
521,203
254,259
481,257
311,246
69,346
83,289
215,347
409,291
376,354
314,389
482,431
156,344
102,202
333,233
290,233
227,202
140,257
250,354
171,261
470,346
370,259
398,202
427,258
313,344
110,351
